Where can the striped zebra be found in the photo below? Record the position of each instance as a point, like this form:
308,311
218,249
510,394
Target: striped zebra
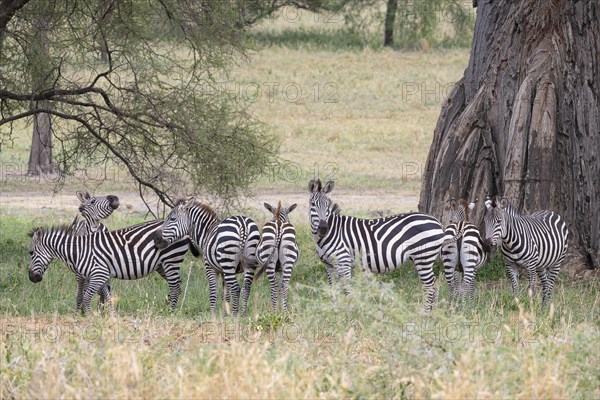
93,209
536,242
463,251
229,246
278,252
127,254
381,244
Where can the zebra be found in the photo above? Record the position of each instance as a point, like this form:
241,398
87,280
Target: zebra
278,251
93,209
381,244
536,242
127,253
463,248
229,246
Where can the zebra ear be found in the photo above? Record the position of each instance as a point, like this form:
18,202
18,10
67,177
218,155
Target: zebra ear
291,208
314,185
189,203
452,202
328,187
82,196
269,208
34,233
504,201
488,203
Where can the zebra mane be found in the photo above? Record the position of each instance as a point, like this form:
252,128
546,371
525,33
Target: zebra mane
277,213
197,203
206,208
179,200
46,230
335,209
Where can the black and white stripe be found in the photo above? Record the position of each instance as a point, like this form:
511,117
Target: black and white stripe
536,242
229,246
381,244
93,209
463,250
278,252
127,253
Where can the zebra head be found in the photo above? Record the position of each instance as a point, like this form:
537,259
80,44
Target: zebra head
94,209
177,224
493,222
457,211
280,214
40,254
321,207
461,210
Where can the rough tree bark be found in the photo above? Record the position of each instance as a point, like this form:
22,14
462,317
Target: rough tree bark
524,121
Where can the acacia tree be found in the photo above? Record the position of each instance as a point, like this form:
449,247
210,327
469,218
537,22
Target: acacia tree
524,121
155,107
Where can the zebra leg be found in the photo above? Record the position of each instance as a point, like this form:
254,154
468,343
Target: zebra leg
211,277
234,289
458,282
344,273
286,276
170,273
425,271
272,275
81,288
549,287
468,282
105,297
225,294
248,278
95,283
450,260
531,275
513,275
330,273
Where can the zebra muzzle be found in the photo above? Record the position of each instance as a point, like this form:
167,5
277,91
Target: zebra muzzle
113,202
322,229
159,242
35,277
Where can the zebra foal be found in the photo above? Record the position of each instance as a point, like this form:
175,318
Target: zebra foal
536,242
381,244
278,252
229,246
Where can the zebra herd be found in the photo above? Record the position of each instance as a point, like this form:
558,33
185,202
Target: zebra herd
234,245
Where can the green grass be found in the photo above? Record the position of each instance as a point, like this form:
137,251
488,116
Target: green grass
373,343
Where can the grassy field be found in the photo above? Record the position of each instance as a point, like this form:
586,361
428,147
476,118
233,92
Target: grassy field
373,343
364,118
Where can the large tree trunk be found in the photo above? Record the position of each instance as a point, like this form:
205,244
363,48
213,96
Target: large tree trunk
40,154
390,20
524,121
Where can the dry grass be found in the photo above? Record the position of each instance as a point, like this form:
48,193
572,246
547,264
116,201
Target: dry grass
365,118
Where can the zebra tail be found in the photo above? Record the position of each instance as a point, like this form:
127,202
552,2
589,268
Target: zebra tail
453,238
193,248
263,266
